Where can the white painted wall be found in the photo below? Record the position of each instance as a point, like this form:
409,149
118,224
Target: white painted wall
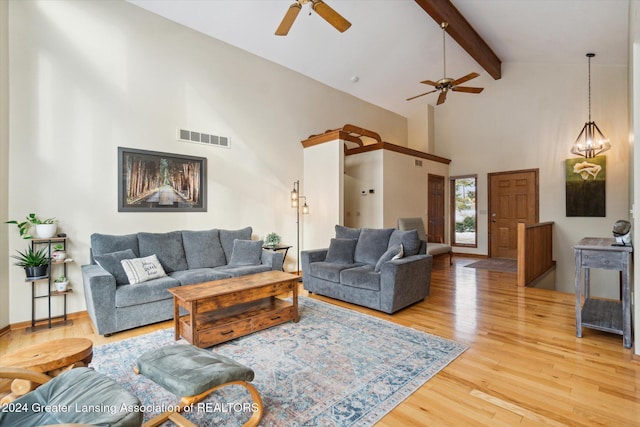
4,162
364,172
529,119
324,189
87,77
400,187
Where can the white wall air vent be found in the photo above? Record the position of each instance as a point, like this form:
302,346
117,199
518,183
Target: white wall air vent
203,138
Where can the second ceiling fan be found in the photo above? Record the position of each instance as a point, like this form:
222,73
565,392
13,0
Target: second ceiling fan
445,84
321,8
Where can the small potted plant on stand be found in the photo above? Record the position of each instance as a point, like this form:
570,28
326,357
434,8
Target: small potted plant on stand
59,254
272,240
61,283
45,228
35,262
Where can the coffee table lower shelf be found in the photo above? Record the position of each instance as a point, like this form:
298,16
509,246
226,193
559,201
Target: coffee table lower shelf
228,323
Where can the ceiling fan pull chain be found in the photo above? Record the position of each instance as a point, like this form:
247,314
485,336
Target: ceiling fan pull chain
444,26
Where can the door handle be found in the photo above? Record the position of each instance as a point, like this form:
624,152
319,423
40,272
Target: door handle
493,217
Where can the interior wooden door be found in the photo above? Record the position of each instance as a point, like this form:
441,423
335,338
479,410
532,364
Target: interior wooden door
435,211
513,198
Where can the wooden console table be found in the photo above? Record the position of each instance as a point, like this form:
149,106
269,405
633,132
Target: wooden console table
222,310
598,313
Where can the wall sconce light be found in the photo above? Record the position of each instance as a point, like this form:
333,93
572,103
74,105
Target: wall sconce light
295,203
590,141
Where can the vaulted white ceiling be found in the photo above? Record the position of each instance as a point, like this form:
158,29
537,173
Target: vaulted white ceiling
392,45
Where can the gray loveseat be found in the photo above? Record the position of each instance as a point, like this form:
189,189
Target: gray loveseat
383,269
185,257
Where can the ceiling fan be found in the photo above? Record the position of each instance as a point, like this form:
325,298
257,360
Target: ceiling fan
445,84
321,8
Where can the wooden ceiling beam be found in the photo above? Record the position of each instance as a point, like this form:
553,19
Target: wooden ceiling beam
463,33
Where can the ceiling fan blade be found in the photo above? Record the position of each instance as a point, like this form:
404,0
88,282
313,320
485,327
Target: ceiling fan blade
330,15
429,82
288,19
467,89
422,94
442,97
465,78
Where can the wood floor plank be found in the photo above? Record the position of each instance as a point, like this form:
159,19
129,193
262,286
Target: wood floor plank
524,365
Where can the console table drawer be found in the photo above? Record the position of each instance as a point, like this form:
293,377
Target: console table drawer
602,259
273,318
225,332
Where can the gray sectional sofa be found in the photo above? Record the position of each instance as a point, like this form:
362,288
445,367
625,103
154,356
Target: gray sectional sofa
383,269
184,257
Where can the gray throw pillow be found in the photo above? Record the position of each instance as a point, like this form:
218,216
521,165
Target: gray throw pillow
203,249
409,239
372,243
394,252
227,238
246,252
111,263
343,232
341,251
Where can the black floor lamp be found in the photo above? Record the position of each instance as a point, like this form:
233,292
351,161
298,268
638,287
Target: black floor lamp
295,203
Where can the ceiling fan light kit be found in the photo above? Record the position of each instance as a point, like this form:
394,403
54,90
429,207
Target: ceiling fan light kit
590,142
446,84
321,8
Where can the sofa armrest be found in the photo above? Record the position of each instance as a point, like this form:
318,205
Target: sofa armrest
307,257
404,281
274,259
100,297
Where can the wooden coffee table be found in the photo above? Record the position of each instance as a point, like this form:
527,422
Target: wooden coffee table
222,310
51,358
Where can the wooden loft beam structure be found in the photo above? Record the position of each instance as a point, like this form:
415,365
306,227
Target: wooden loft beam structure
464,34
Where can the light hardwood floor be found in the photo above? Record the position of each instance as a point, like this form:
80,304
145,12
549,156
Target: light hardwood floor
524,365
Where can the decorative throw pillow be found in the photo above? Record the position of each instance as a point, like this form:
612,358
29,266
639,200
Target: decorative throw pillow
372,243
246,252
341,251
227,238
394,252
409,239
140,270
112,263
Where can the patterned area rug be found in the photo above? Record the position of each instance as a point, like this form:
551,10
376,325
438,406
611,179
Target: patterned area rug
496,264
335,367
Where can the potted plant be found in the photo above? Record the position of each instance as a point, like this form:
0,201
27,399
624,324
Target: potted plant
59,254
34,261
61,283
272,240
45,228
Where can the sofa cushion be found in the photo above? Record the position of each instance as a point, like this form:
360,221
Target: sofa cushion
363,277
341,251
198,275
167,247
245,252
372,243
202,249
409,239
343,232
394,252
243,270
228,236
153,290
140,270
329,270
108,243
111,263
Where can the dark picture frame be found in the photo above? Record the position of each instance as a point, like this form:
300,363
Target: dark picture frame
152,181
